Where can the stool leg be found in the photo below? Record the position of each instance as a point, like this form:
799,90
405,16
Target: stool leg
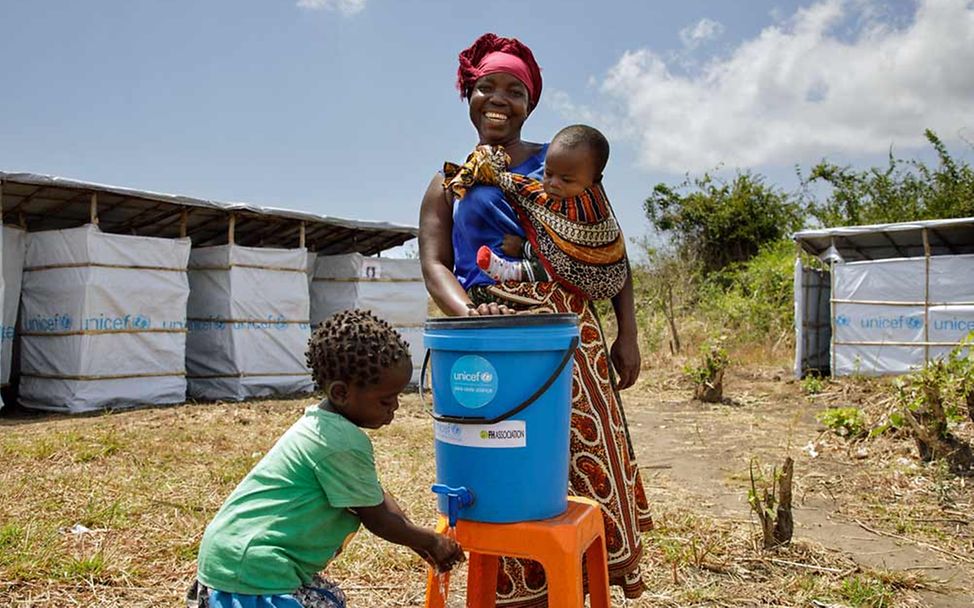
435,597
482,581
598,573
565,582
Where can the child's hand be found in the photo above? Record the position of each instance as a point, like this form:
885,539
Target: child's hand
512,245
444,553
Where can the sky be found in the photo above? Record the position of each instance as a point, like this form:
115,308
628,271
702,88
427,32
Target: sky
348,107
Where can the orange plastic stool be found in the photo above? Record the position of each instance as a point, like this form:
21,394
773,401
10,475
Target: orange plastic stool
559,544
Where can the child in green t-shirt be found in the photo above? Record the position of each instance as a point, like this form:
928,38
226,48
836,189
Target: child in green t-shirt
293,513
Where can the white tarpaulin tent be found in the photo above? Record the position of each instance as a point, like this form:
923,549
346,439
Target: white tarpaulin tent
43,203
103,320
248,321
899,295
14,249
5,363
393,289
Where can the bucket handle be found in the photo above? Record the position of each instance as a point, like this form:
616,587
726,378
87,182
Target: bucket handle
488,421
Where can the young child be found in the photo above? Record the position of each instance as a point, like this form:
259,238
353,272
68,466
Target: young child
293,513
573,236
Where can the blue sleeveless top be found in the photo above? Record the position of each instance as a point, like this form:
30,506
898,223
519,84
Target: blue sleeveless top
483,217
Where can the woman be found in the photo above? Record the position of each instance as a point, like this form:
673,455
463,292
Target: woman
502,84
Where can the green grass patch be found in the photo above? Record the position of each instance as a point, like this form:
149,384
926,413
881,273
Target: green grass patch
866,592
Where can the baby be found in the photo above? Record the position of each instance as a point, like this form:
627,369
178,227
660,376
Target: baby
573,236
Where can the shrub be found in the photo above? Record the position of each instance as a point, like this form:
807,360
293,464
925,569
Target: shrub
844,421
708,374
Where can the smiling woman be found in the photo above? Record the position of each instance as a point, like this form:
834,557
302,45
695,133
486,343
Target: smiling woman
502,83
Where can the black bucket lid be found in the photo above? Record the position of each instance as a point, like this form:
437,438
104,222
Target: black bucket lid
502,321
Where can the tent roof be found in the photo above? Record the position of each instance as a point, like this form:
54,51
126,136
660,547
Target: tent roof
901,240
46,202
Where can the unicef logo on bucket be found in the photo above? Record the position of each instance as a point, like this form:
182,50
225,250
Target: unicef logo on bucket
473,381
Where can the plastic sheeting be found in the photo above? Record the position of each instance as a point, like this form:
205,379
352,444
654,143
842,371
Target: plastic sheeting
393,289
102,320
886,321
248,322
812,320
14,251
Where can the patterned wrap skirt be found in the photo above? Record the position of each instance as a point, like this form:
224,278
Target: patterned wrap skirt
602,464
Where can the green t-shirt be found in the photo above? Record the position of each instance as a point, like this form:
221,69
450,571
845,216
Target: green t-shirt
289,516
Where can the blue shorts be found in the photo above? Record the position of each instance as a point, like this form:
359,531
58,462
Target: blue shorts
320,593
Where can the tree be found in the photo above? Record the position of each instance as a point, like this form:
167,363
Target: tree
722,222
903,191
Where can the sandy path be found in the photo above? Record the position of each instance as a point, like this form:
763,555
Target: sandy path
705,450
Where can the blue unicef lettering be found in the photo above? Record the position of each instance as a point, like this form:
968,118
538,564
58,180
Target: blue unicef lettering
955,325
473,381
893,322
50,324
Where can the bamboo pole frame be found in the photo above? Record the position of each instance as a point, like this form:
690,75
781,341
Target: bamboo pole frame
926,296
301,236
231,228
183,223
832,312
93,208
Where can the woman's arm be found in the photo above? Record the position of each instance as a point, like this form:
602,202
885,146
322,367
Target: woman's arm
625,350
436,255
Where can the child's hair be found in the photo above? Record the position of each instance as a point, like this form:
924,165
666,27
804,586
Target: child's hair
354,346
575,135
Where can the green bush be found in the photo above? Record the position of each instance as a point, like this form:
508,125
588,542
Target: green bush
753,299
721,222
902,191
813,384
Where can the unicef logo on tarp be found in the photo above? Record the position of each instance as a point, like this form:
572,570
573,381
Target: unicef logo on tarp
914,323
473,381
842,320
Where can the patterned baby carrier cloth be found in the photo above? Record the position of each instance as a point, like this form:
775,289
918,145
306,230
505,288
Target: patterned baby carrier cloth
577,239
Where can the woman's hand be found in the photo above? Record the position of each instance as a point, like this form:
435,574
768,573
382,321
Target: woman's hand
626,360
489,308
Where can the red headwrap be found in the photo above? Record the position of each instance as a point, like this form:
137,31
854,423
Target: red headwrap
490,54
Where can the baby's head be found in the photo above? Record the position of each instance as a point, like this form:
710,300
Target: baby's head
362,364
576,158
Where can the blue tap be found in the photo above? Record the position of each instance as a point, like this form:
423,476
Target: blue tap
456,499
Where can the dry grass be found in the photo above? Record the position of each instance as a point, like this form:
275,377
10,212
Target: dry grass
145,483
895,492
695,560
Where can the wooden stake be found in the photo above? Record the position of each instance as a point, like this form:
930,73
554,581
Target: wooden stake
183,220
94,208
231,228
301,236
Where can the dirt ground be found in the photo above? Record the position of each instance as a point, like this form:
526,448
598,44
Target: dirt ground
703,451
874,528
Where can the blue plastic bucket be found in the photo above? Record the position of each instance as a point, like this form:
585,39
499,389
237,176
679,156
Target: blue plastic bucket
502,410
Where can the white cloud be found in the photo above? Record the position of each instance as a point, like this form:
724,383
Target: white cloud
704,30
345,7
835,77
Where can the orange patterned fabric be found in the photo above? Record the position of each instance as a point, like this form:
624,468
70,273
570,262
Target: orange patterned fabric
602,465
